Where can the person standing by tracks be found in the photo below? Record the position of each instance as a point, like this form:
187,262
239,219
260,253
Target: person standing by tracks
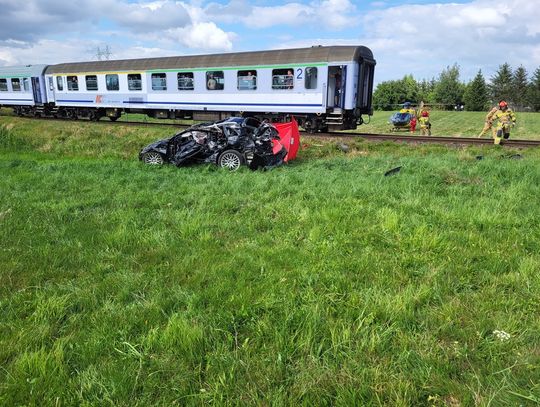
425,124
506,119
488,125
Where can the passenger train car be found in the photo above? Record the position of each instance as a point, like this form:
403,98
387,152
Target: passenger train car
22,87
325,88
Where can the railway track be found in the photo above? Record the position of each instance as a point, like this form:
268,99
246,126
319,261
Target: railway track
433,139
395,137
103,122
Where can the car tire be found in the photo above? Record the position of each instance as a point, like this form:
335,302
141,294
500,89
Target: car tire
231,160
153,158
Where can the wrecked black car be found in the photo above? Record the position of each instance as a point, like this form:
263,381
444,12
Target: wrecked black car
228,143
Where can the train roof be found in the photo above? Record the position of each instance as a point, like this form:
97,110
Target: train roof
257,58
23,71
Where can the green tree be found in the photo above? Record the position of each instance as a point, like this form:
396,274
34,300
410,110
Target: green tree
389,94
533,91
501,84
426,90
520,84
449,90
476,96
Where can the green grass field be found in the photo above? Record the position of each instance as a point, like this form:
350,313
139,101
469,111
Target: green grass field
318,283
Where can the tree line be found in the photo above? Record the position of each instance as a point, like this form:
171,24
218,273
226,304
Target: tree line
448,91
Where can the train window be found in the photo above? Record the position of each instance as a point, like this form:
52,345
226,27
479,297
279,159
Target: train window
51,83
282,78
159,81
134,81
59,83
73,83
111,80
247,80
91,82
311,78
3,85
16,84
26,84
185,81
215,80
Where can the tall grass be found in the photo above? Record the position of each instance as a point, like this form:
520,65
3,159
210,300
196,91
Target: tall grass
319,283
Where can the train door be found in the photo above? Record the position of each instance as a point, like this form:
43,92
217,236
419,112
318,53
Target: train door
36,89
337,76
365,86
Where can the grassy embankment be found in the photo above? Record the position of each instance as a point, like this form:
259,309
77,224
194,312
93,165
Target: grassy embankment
319,283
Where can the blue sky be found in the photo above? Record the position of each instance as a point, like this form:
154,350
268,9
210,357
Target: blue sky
418,37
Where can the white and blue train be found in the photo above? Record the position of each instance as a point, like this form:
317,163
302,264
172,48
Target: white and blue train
325,88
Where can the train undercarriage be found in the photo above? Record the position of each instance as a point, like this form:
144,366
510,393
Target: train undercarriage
333,120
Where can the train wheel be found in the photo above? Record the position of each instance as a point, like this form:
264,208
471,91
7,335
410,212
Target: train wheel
93,116
310,125
113,118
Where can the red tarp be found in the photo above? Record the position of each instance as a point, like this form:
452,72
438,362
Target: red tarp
290,138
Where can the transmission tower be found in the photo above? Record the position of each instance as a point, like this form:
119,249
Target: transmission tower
103,54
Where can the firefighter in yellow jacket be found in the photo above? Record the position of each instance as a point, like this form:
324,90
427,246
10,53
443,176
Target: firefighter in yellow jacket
489,123
425,124
506,119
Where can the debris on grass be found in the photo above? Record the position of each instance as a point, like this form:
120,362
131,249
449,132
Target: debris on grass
343,147
393,171
512,156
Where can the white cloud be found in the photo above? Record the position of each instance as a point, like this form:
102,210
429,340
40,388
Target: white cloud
205,36
152,16
168,26
478,17
336,14
54,52
322,14
47,52
481,34
38,18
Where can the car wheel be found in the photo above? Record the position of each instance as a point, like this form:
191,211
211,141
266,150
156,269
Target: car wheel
153,158
230,159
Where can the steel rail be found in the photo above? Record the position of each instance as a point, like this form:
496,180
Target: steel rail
104,122
433,139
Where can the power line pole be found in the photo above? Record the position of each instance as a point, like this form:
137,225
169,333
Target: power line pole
103,54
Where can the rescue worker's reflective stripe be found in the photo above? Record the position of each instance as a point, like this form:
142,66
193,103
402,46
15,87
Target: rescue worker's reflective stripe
424,122
505,118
